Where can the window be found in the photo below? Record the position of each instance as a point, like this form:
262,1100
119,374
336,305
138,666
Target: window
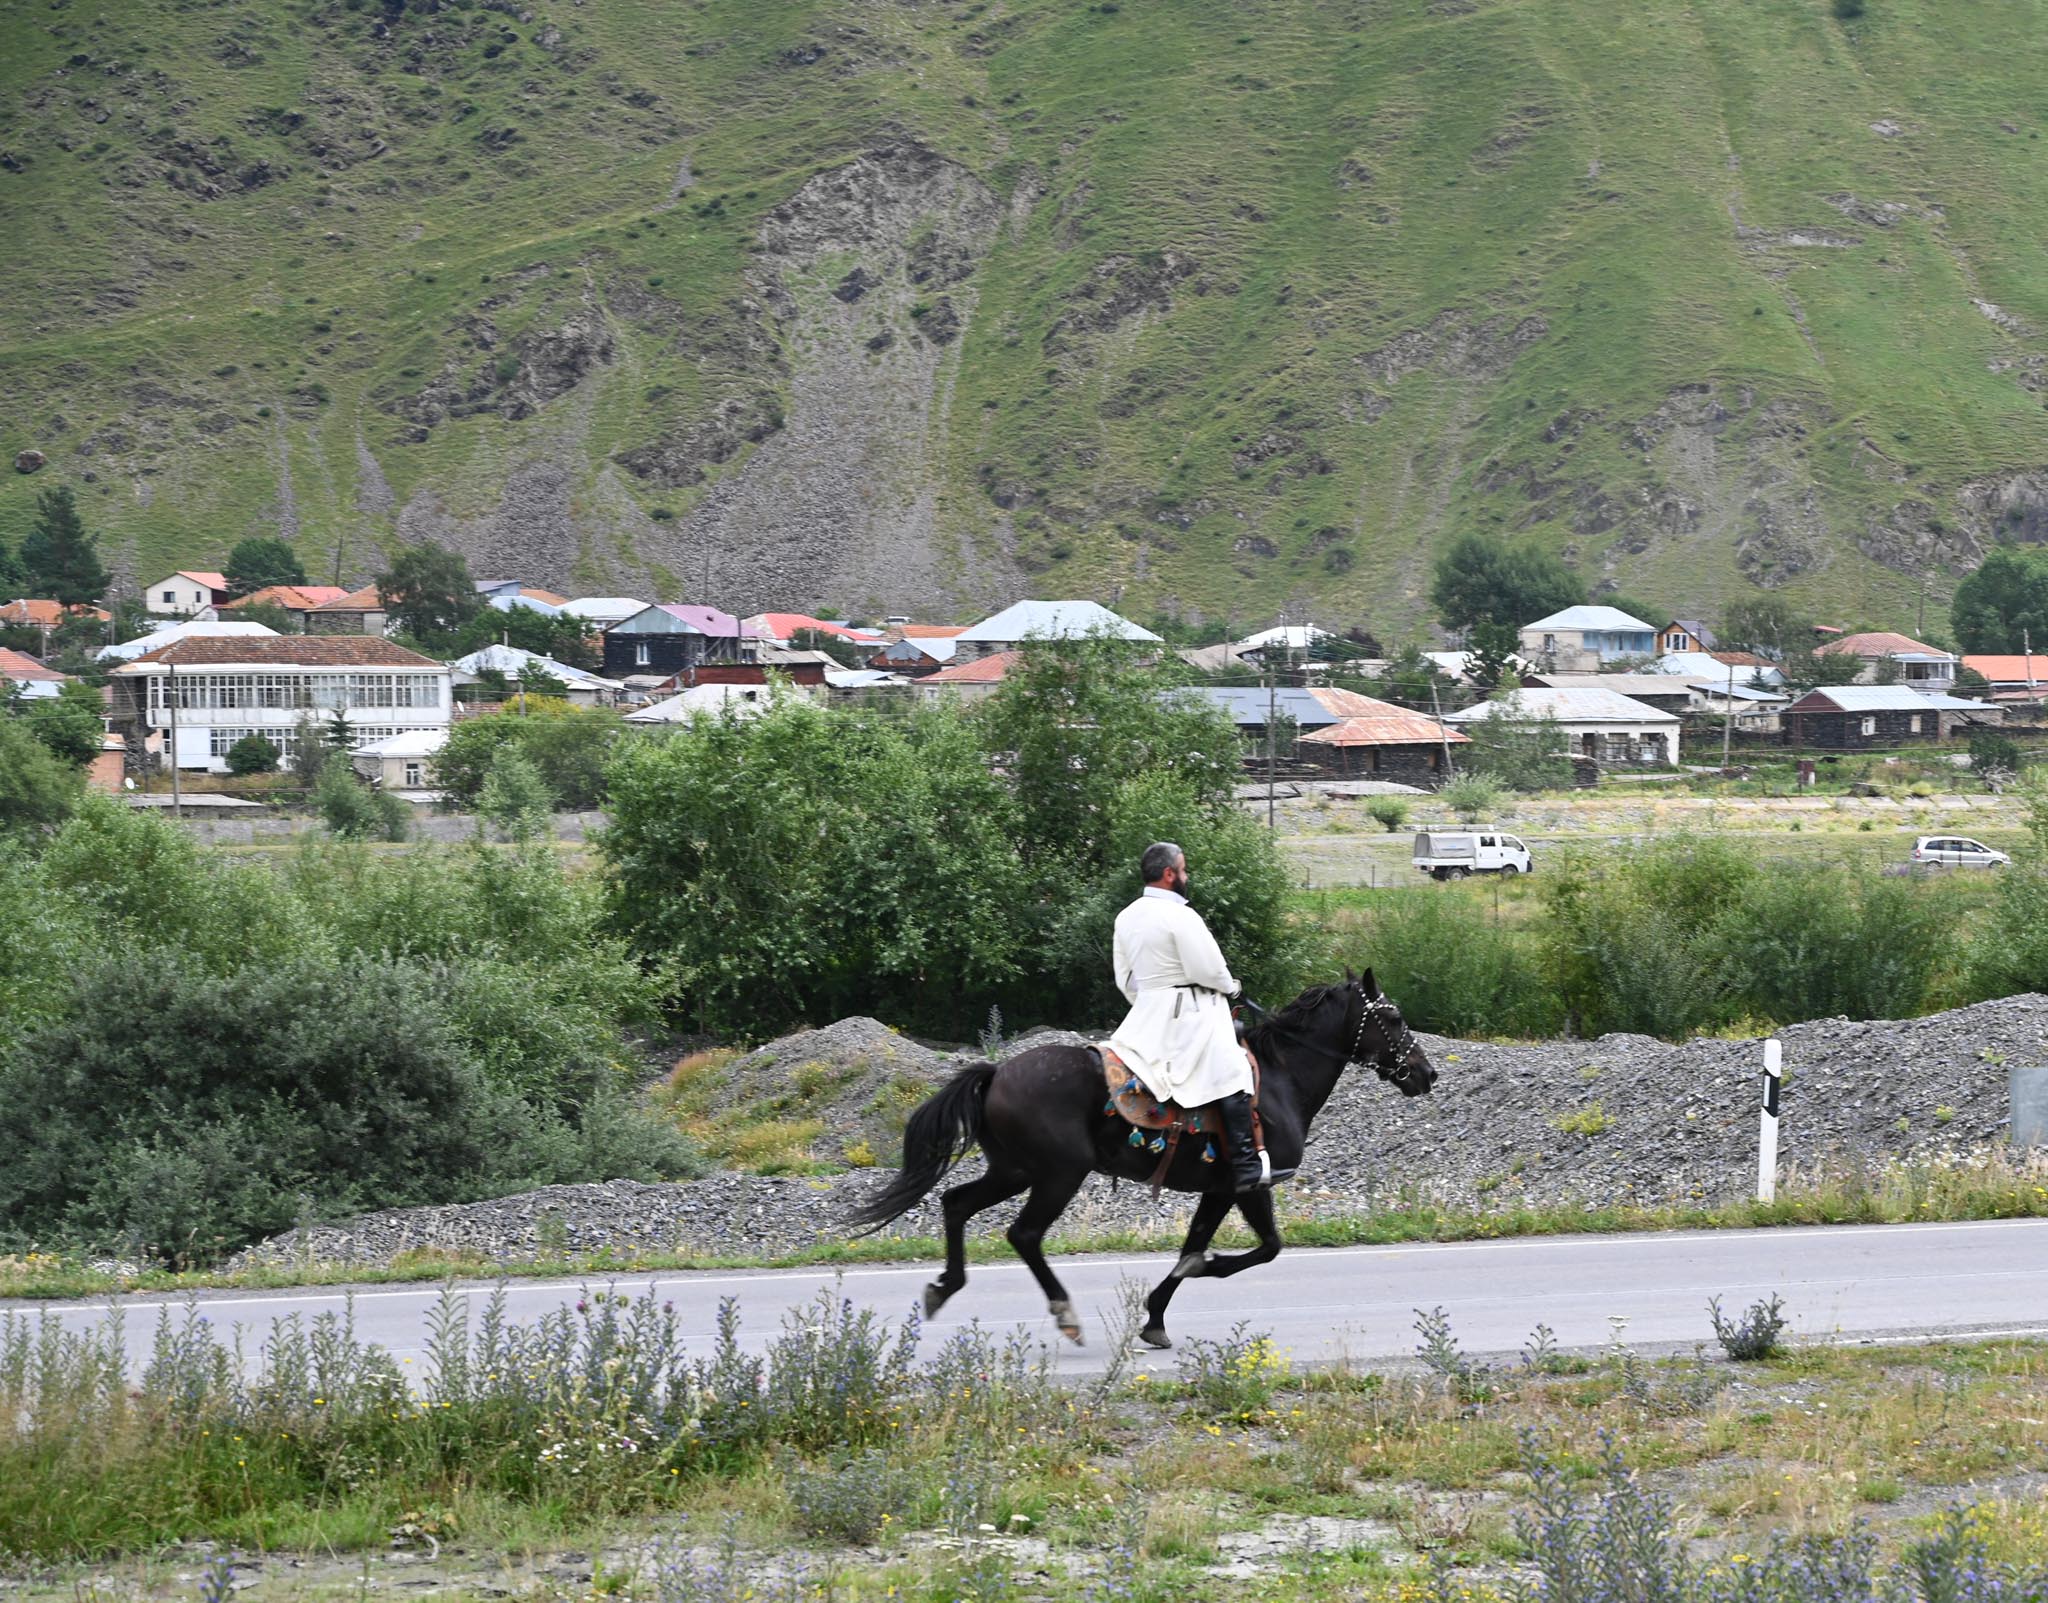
641,657
1870,726
170,596
415,773
1913,724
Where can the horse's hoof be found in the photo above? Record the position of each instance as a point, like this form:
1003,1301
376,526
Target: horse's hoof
935,1296
1069,1322
1192,1266
1155,1336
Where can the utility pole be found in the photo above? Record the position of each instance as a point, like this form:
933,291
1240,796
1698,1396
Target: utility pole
2027,645
1272,741
1728,717
1437,708
177,793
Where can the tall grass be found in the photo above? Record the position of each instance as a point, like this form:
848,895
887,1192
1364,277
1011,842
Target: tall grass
321,1438
1692,934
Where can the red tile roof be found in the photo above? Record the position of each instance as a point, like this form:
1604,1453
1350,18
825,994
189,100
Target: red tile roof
535,593
19,665
44,614
212,581
1740,659
2017,668
982,671
363,600
292,651
293,597
1877,643
929,631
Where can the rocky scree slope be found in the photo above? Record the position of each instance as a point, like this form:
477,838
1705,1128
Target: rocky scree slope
885,304
1620,1119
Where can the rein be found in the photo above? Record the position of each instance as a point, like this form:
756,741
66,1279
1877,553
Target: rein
1369,1009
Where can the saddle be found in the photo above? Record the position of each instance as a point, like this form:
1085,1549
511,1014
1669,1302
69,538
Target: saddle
1169,1121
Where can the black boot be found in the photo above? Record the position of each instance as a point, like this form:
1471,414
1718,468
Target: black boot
1248,1166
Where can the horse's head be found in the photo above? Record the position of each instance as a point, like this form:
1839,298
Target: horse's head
1396,1056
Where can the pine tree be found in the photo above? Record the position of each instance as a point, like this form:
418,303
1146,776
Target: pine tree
60,558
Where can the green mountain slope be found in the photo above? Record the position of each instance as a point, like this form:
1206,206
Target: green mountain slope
893,303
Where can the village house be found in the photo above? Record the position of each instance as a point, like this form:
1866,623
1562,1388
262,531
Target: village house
1917,666
186,594
1388,742
400,762
1300,710
1599,724
28,678
603,611
1658,690
582,689
296,599
970,680
203,693
190,629
360,612
1584,639
1860,717
782,628
715,700
1684,634
1749,669
916,654
667,638
2020,677
1047,620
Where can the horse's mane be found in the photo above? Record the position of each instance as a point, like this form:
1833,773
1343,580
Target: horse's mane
1292,1018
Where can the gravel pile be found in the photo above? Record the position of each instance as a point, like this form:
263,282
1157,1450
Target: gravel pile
1622,1118
858,1078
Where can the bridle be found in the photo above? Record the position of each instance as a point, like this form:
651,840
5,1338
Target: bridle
1397,1040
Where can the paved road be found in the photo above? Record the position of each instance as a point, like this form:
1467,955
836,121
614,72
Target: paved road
1850,1282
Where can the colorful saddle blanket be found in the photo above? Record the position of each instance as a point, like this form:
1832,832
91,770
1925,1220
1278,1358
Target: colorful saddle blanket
1131,1102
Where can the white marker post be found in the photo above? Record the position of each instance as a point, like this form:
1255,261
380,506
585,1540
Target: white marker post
1767,1134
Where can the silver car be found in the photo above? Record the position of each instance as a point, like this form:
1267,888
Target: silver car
1956,851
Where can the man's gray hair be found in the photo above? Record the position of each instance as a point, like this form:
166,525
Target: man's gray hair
1159,857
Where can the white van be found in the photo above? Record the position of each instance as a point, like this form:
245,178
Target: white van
1454,853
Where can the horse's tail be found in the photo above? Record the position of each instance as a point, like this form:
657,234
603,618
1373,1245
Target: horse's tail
937,1135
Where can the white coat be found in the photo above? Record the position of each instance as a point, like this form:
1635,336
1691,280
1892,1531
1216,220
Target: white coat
1177,1037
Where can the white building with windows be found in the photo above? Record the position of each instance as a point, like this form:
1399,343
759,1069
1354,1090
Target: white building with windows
202,694
188,593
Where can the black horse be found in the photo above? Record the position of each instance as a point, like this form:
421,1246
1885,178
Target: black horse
1039,1119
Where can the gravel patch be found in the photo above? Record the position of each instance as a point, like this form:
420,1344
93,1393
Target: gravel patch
1624,1118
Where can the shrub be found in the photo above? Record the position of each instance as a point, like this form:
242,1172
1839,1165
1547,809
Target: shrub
37,790
352,811
186,1113
514,796
1389,812
1472,796
1994,755
252,754
569,746
1849,10
1756,1334
850,1499
1453,970
1236,1375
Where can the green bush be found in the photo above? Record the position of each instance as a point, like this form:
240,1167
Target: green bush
252,754
185,1113
1390,812
514,797
37,790
569,745
1452,969
1472,796
352,811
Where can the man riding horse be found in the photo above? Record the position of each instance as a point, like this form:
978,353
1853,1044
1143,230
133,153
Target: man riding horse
1041,1120
1178,1037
